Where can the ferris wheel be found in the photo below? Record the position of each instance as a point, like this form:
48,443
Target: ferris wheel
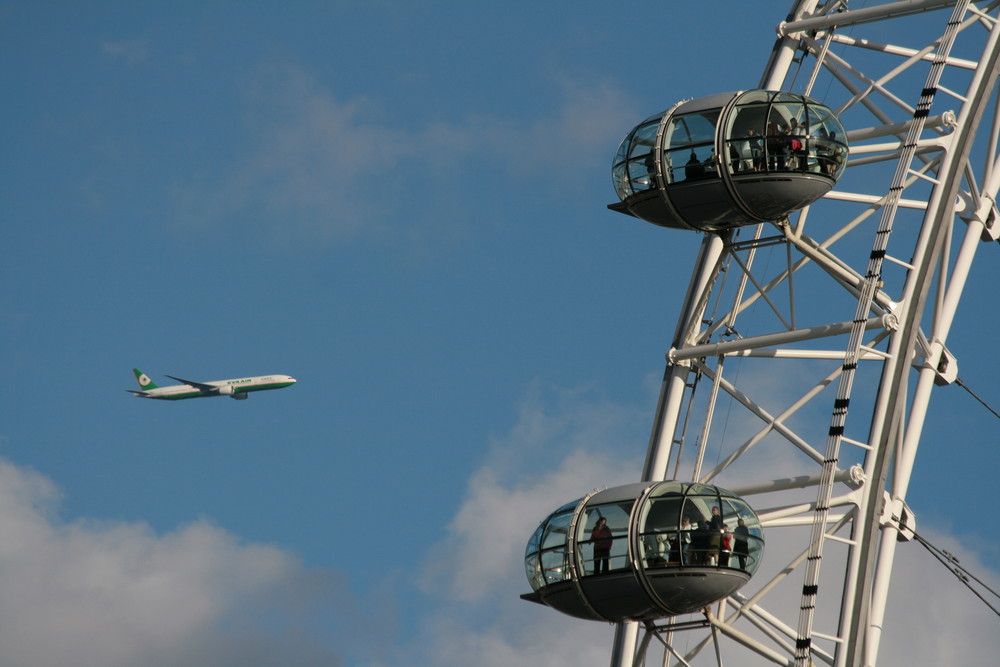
842,202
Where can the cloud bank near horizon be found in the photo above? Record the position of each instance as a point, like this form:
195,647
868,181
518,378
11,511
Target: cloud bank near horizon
104,594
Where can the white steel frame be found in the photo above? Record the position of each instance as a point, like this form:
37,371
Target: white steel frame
899,247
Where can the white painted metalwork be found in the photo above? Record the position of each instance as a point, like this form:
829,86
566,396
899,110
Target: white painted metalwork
819,358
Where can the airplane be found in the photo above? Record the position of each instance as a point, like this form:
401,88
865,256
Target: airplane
238,388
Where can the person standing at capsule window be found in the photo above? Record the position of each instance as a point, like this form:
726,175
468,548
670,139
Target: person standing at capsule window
693,168
741,543
774,145
715,536
727,546
756,151
685,540
650,163
602,539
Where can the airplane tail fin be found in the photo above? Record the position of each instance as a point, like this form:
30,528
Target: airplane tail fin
143,380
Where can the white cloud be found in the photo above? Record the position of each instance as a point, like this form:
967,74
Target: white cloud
475,577
313,164
932,618
327,168
108,594
565,444
583,130
132,52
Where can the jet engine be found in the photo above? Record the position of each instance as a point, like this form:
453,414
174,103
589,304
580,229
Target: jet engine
226,390
241,396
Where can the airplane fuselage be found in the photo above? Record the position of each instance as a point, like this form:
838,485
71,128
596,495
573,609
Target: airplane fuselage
238,388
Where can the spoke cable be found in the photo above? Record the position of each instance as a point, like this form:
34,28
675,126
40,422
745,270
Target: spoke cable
963,575
964,386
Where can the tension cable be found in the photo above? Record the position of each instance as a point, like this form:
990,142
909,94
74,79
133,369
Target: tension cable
961,384
963,575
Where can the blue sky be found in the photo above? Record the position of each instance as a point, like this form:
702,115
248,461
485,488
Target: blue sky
403,206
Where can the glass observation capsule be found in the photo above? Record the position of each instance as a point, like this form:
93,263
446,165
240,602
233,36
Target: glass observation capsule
643,551
728,160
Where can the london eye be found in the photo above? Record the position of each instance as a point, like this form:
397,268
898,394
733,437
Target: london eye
842,200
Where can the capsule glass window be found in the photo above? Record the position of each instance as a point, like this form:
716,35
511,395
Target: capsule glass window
661,539
642,159
827,143
604,548
532,565
546,558
745,539
689,146
634,169
619,171
745,141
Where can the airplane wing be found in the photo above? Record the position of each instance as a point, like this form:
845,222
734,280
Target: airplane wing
211,388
